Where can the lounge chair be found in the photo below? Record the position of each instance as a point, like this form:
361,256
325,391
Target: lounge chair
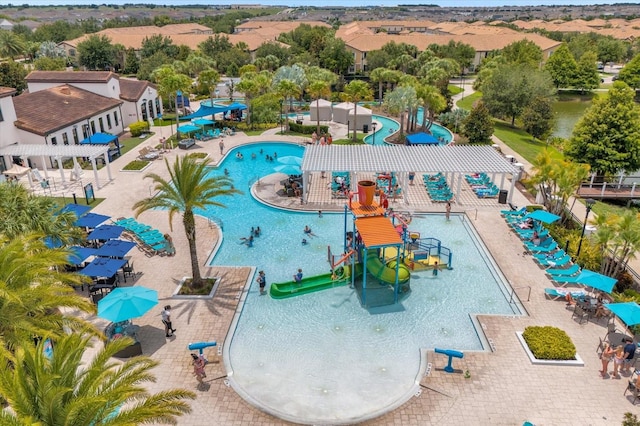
566,272
565,280
550,256
553,262
520,212
546,246
561,293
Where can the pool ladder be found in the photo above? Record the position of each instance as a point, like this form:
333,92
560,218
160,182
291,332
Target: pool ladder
216,221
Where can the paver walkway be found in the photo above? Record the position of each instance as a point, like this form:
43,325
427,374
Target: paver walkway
504,388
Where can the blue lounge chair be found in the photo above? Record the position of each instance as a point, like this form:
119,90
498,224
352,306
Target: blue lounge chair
521,212
559,293
550,256
562,281
564,272
561,261
541,248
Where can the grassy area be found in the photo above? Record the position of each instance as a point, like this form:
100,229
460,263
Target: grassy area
129,144
360,140
454,90
254,132
467,102
522,142
600,208
63,201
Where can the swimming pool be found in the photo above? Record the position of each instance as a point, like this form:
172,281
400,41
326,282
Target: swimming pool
388,124
321,358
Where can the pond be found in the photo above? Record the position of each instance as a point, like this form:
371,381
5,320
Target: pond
568,110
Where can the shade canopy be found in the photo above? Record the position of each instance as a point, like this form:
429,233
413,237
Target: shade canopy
52,242
99,139
102,267
543,216
202,122
17,170
288,169
91,220
422,139
80,254
628,312
291,160
115,248
205,110
596,280
105,232
78,209
125,303
188,128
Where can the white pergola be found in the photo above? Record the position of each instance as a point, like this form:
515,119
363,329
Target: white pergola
452,160
59,152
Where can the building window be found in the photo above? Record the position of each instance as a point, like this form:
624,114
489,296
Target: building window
85,131
93,127
1,117
115,117
72,52
143,110
54,141
158,107
108,121
65,138
101,124
76,140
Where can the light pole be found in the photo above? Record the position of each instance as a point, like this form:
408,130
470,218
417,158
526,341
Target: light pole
281,103
589,204
373,126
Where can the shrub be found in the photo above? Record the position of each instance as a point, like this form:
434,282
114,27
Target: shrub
138,128
305,129
198,155
549,343
136,165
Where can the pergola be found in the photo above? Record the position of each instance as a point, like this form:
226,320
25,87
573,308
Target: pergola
61,151
452,160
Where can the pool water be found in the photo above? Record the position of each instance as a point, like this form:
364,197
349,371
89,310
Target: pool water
391,126
322,358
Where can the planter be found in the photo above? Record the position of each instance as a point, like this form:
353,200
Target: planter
578,362
177,295
366,191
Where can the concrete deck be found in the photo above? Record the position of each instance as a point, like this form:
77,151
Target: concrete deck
504,388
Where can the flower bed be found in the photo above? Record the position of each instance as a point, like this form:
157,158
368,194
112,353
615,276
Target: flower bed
549,345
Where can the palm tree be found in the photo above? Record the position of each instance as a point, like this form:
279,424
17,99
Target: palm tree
209,79
357,91
11,44
318,89
288,89
378,76
189,188
32,292
432,103
64,390
23,212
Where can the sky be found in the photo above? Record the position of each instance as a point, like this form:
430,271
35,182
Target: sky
448,3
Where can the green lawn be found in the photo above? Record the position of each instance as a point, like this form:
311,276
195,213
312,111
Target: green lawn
600,208
63,201
454,90
522,142
468,101
129,144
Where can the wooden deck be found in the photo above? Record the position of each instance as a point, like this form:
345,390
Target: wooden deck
609,191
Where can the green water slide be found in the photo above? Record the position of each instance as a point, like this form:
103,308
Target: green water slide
385,273
308,285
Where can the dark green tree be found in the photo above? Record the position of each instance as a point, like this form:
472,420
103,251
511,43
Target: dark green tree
587,77
630,73
12,74
538,118
335,56
148,65
96,53
57,32
50,64
607,137
562,68
460,52
158,43
215,45
478,126
131,62
523,52
275,49
511,88
610,49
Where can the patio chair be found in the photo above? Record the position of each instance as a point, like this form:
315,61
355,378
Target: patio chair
128,270
635,392
580,313
564,272
557,293
554,262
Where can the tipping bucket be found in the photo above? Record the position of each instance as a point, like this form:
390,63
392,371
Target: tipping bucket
366,191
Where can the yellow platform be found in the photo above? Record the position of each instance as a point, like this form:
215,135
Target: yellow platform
391,253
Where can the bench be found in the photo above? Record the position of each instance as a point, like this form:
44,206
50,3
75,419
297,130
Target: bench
186,143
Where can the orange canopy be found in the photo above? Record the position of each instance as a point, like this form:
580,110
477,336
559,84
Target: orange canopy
377,231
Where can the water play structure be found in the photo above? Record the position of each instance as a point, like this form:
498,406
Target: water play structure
379,252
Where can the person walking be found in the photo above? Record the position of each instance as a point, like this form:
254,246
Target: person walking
605,357
198,367
629,354
166,320
262,281
221,144
448,210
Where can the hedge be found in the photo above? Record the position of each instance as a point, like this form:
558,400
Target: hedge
305,129
138,128
136,165
549,343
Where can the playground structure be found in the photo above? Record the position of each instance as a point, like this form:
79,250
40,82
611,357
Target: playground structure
378,255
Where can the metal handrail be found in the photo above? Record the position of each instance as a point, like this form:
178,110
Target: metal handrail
513,290
476,215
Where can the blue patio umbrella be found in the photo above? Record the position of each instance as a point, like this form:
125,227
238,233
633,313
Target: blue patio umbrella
188,128
543,216
203,122
78,209
115,248
596,280
628,312
288,169
125,303
290,160
105,232
102,267
91,220
52,242
80,254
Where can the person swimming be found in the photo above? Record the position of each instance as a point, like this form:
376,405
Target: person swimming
308,231
226,172
239,156
304,242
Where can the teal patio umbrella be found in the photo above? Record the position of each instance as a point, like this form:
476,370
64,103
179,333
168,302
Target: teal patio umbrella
596,280
288,169
543,216
125,303
290,160
628,312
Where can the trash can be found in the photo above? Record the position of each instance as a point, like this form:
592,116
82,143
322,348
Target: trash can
365,128
502,196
